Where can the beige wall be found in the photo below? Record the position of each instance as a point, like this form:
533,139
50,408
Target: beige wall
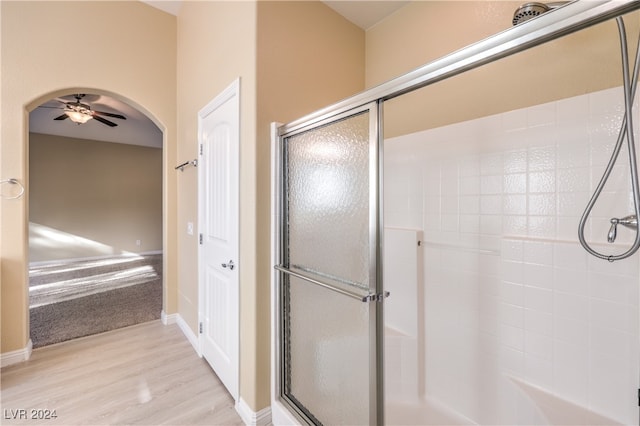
308,57
108,193
423,31
291,57
129,53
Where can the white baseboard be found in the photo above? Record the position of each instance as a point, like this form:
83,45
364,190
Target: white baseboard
15,357
249,417
168,319
189,334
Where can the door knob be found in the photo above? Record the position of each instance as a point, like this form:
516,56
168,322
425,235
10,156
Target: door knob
229,265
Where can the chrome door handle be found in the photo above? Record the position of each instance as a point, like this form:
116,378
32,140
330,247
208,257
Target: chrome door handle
229,265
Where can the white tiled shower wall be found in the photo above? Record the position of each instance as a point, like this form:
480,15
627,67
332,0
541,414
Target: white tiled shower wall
509,291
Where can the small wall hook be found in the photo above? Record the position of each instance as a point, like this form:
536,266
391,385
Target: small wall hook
12,181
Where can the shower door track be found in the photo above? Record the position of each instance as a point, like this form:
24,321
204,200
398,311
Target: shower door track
564,20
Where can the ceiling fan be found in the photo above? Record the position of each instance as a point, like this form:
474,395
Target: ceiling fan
80,113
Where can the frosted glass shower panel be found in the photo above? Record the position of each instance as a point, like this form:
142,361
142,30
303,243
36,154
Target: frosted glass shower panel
328,200
328,345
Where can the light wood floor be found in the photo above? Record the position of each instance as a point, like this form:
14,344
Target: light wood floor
145,374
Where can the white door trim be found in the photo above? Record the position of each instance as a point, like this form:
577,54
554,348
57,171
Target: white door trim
233,90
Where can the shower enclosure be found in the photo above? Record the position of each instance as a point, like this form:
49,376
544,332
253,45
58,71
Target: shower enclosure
464,205
328,265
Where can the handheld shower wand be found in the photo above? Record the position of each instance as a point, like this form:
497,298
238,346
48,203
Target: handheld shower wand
531,10
626,130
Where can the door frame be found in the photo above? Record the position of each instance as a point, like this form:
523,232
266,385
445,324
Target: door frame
233,90
24,354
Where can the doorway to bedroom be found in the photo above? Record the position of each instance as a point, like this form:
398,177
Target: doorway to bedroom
95,217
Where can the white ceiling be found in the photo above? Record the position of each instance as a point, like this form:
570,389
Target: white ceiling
169,6
364,13
137,129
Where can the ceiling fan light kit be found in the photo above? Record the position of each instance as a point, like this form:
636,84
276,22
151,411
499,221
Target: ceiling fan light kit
79,117
81,113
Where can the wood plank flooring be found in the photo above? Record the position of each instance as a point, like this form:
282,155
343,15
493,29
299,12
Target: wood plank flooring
147,374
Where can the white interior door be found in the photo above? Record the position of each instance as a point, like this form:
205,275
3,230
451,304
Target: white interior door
218,171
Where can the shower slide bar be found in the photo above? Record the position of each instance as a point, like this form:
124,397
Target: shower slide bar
563,20
368,297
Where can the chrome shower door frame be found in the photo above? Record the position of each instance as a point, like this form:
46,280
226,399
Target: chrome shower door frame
371,295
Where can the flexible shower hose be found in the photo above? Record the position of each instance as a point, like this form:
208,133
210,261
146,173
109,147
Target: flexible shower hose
626,129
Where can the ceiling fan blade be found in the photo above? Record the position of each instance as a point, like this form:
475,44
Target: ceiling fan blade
109,114
62,117
52,107
103,121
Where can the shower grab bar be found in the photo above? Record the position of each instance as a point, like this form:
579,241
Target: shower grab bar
361,297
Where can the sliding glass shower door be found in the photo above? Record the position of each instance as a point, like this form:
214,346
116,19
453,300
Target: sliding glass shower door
329,372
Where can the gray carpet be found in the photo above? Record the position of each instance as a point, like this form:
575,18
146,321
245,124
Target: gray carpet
71,300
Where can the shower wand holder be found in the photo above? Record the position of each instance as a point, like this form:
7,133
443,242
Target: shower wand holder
630,222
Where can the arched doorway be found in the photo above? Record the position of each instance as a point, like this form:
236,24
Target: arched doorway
95,216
